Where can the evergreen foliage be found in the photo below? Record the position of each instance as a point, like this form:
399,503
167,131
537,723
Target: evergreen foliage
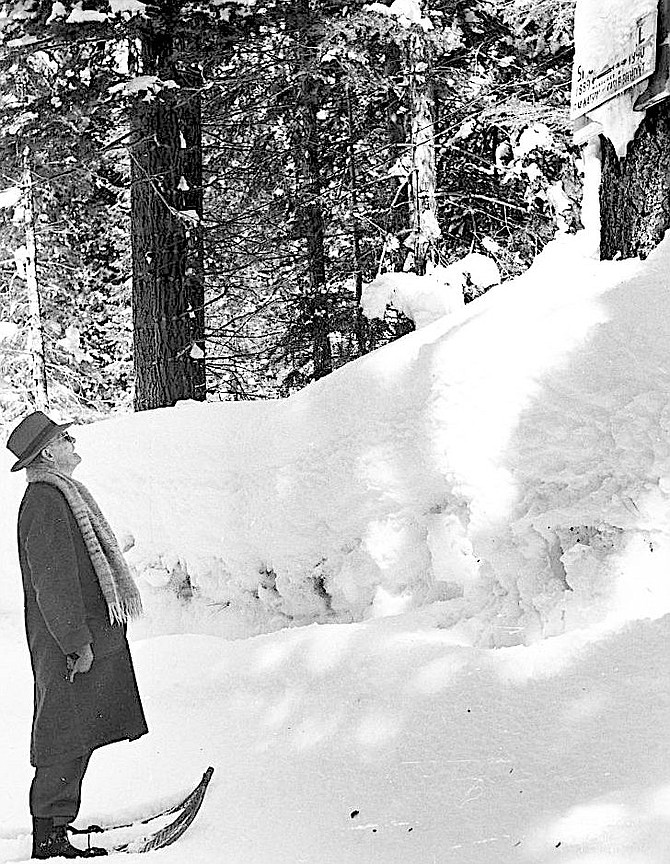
307,114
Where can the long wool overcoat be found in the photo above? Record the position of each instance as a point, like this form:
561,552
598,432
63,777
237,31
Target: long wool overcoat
65,610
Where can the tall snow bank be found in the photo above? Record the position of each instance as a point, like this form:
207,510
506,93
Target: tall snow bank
511,461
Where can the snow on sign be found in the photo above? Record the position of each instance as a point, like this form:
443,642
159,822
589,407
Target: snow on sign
635,62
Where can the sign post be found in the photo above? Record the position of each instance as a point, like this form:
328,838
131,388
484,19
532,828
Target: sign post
636,60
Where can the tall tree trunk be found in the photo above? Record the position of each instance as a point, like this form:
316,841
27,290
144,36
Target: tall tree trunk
397,205
38,375
635,191
422,199
167,240
361,325
308,161
399,215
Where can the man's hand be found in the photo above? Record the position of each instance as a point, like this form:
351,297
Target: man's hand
79,661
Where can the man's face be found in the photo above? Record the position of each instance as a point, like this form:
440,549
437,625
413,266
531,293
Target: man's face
63,455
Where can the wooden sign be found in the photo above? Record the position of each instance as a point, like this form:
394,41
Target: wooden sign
636,61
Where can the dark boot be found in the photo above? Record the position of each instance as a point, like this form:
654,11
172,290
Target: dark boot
55,844
41,833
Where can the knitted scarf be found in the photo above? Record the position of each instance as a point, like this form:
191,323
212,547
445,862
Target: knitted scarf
116,583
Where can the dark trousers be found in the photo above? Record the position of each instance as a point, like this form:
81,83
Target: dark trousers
55,792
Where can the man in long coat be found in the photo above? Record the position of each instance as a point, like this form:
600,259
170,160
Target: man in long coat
79,595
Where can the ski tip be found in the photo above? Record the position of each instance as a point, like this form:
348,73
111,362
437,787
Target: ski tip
167,835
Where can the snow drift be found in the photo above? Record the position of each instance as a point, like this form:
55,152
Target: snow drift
509,461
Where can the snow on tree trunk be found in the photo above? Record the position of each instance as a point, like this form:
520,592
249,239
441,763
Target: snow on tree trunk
399,213
422,199
38,374
306,144
635,190
167,241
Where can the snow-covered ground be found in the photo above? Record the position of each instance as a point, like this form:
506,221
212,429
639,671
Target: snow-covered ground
429,513
386,742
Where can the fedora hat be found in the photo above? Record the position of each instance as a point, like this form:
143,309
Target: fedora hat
32,434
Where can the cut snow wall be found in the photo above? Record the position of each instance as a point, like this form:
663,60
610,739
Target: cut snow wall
510,462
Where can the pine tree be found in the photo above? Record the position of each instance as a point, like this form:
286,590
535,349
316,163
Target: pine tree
166,220
54,99
39,388
310,218
71,66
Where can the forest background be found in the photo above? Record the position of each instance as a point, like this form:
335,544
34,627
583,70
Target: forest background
195,195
